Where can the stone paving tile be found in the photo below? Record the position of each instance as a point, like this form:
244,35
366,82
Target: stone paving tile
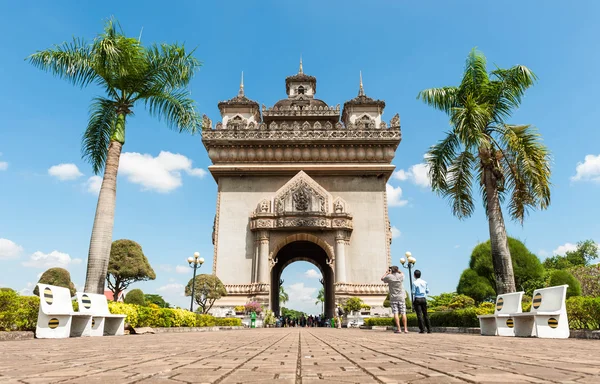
297,356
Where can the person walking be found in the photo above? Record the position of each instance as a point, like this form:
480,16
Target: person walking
394,278
420,291
339,313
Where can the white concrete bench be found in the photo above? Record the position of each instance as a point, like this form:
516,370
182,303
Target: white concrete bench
501,323
103,322
56,318
547,317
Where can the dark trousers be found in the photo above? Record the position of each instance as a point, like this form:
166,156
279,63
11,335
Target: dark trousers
421,309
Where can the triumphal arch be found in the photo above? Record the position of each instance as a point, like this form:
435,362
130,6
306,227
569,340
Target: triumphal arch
301,180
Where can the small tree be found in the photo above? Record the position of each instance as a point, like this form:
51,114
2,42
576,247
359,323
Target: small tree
462,301
586,252
208,289
561,277
56,276
127,265
475,286
525,264
156,299
135,296
352,304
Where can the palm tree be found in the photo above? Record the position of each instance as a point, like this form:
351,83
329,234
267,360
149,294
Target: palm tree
129,74
321,298
507,160
283,296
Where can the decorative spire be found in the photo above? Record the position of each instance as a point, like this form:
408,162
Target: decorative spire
300,70
241,92
361,91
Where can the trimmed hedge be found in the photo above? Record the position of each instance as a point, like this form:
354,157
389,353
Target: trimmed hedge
583,313
153,316
19,313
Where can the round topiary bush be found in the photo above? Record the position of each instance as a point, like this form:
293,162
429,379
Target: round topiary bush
561,277
135,296
59,277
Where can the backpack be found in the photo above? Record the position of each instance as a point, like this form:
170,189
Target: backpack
340,312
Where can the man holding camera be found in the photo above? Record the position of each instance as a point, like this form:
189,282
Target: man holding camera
395,279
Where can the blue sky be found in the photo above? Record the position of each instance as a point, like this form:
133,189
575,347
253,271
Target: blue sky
166,202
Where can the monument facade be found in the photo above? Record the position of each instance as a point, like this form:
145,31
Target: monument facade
301,180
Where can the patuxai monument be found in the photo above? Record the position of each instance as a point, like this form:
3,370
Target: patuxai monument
301,180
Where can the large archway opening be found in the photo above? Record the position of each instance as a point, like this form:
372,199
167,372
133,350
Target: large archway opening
303,251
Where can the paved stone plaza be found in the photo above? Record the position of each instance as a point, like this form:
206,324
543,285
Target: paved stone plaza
296,355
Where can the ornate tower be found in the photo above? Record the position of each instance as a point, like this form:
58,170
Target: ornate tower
296,183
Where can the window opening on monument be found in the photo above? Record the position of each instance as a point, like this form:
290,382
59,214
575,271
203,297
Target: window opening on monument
301,287
301,90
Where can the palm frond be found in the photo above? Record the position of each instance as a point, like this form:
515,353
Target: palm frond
70,60
475,77
177,108
96,137
507,90
439,157
444,98
470,122
526,168
170,65
459,181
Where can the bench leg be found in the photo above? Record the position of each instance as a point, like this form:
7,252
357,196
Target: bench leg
525,326
53,327
488,326
114,326
81,326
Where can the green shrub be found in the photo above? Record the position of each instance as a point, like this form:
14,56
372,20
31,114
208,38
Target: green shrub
352,304
135,296
486,308
583,312
462,301
459,318
228,322
59,277
560,277
18,313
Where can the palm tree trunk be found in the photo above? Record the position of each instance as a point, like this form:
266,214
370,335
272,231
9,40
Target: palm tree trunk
101,240
505,279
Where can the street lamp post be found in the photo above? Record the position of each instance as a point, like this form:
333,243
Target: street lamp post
409,262
194,262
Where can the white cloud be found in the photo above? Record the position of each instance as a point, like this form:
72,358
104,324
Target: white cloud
65,171
28,290
172,288
543,253
182,269
456,246
395,233
302,298
3,165
589,170
394,196
165,267
417,174
312,274
563,249
93,184
9,249
161,173
49,260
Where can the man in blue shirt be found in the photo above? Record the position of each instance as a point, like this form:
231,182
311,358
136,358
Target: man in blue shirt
420,292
